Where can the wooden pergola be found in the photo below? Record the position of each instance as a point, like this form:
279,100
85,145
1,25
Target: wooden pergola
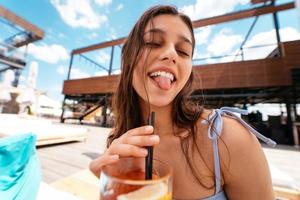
28,32
273,79
34,32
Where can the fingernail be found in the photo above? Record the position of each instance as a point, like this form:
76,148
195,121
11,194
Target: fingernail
144,151
148,128
114,157
154,138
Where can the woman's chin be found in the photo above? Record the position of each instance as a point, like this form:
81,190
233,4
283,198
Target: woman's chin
159,102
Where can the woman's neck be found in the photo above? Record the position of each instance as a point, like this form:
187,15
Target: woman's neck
163,118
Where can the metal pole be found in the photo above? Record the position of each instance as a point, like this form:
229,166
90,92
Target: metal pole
17,76
276,26
104,114
111,60
63,111
64,101
289,120
70,67
242,53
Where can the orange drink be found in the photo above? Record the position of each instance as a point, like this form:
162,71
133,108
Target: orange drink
125,180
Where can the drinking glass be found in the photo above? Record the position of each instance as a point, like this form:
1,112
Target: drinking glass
125,180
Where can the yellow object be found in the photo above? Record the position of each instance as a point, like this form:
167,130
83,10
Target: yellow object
150,192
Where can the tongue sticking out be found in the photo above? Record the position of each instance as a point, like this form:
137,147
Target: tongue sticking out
163,82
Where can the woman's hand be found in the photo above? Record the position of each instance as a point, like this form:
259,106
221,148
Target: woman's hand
130,144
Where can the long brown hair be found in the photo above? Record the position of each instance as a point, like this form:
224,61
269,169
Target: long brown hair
128,115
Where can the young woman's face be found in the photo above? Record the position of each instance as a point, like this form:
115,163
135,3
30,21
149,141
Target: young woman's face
166,60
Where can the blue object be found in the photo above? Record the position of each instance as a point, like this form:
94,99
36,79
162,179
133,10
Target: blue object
20,173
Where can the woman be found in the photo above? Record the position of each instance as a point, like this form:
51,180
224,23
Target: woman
210,161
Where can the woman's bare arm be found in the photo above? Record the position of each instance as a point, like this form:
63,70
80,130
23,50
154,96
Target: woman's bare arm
248,175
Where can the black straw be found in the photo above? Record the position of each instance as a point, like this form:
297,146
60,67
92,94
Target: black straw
149,157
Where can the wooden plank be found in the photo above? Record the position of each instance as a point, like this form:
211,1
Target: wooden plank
63,160
99,46
60,140
292,54
94,85
213,76
5,13
242,15
285,193
82,184
52,171
259,1
240,74
291,47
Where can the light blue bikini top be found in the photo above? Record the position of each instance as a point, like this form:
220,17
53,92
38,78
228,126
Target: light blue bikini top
214,133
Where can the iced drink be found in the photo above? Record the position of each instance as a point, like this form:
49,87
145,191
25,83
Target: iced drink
125,180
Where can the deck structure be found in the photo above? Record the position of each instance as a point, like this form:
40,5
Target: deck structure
24,33
274,79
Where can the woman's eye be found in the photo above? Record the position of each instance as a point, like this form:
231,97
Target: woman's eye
152,44
183,53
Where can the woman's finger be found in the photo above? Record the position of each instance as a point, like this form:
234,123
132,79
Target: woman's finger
127,150
97,164
143,130
142,141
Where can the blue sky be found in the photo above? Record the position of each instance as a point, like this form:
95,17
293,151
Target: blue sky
72,24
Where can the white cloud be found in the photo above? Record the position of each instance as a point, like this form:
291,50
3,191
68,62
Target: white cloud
92,35
61,35
120,7
260,45
202,35
61,70
77,73
103,2
117,71
234,56
101,73
223,42
203,9
48,53
79,13
103,57
265,38
269,37
111,34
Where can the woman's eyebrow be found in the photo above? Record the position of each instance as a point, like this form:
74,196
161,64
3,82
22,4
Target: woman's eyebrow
182,37
156,30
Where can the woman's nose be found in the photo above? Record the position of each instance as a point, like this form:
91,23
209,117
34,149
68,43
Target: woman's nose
169,54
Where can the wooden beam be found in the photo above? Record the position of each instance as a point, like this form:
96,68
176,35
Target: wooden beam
27,41
99,46
259,1
267,73
10,16
93,85
242,14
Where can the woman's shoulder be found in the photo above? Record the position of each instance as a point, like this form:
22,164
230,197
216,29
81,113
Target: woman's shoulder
205,115
232,130
238,146
233,136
